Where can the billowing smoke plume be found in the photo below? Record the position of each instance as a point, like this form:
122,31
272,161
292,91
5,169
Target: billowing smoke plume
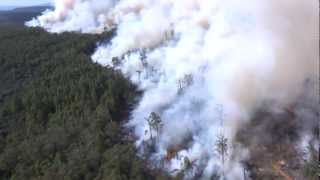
205,67
88,16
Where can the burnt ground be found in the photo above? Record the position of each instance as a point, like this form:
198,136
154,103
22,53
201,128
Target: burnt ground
272,140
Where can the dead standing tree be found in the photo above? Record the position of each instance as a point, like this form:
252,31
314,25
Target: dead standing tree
185,82
222,149
154,123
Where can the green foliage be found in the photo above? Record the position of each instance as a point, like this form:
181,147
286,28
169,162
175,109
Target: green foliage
61,115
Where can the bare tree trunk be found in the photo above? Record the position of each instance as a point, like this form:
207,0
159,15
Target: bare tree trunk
222,158
244,173
150,132
223,165
157,134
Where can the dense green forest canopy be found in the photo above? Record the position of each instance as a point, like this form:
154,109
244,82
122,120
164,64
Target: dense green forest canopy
61,115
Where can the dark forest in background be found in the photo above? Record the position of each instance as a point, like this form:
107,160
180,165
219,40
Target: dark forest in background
19,16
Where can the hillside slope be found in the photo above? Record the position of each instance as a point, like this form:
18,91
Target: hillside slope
19,16
60,114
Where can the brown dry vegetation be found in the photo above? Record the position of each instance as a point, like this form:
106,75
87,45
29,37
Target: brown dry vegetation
271,139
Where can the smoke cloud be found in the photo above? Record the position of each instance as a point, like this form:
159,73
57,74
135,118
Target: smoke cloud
87,16
205,67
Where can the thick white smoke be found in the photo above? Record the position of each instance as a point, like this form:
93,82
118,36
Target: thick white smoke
204,65
87,16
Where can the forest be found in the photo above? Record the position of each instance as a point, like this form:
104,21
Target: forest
61,115
19,16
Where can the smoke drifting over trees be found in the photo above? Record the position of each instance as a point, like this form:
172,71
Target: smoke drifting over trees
244,55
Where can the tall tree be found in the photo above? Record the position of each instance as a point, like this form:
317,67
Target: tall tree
155,123
222,148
